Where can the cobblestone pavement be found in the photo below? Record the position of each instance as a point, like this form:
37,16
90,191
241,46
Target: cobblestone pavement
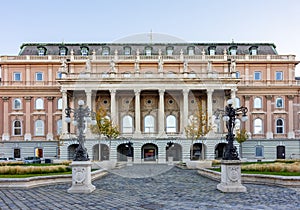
173,188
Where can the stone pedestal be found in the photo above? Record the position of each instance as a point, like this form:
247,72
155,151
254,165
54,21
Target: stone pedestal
81,177
231,177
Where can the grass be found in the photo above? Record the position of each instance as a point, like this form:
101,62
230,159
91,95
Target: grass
33,175
33,169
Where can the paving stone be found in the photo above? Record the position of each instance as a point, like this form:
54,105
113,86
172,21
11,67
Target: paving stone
151,187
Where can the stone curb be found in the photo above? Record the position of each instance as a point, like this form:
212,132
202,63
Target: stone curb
283,181
31,182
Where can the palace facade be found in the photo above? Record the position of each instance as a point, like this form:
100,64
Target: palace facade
152,92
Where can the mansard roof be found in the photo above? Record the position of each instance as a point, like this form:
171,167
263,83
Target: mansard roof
242,48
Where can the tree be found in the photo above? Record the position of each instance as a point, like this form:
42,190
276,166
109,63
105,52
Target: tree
241,136
198,127
104,125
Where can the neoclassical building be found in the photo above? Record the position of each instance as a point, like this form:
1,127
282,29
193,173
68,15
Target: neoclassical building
152,91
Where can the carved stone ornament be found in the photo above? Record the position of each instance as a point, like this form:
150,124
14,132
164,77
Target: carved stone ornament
233,174
79,175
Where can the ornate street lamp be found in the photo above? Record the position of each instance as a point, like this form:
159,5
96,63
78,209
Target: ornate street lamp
81,115
229,116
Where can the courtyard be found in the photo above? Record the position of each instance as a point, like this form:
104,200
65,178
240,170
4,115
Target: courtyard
151,186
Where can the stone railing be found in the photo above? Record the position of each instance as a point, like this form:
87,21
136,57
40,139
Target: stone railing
132,58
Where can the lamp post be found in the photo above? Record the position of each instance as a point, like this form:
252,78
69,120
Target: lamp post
81,115
229,116
231,164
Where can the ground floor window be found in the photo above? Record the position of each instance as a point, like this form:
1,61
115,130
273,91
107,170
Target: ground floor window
259,151
17,153
39,152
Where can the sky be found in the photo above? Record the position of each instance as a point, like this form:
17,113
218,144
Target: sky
69,21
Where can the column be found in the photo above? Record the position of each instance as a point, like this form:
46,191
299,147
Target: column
64,106
209,93
50,77
161,114
27,135
5,135
137,132
113,105
268,74
247,123
50,118
291,133
269,117
27,75
5,75
185,116
247,73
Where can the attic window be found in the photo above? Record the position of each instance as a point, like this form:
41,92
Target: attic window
169,51
212,50
62,51
148,51
191,50
253,50
41,51
84,51
127,51
233,50
105,51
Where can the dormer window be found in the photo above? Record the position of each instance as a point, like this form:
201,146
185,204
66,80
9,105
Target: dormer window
62,51
148,51
212,50
127,51
84,51
233,50
253,50
169,51
41,51
191,50
105,51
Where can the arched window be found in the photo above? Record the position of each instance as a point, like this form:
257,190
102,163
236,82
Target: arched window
258,126
257,103
39,103
17,104
171,124
59,103
279,102
39,128
149,124
279,126
59,127
17,128
127,126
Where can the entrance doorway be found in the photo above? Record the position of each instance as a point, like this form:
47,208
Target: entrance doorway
196,151
219,150
100,150
174,151
71,151
124,151
280,152
149,152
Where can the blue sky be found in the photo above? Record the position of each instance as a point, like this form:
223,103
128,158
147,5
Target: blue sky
275,21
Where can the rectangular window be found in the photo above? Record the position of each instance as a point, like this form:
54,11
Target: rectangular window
259,151
212,52
148,51
279,75
254,52
233,52
169,52
39,76
105,51
257,75
127,51
191,51
17,76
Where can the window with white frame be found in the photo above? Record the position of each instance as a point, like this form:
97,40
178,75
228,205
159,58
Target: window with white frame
279,102
59,75
17,128
126,75
253,51
127,124
62,51
59,103
233,51
39,103
105,75
279,75
149,124
17,103
258,126
17,76
39,76
238,74
257,103
192,75
279,126
39,128
59,127
171,124
259,151
212,50
257,75
191,51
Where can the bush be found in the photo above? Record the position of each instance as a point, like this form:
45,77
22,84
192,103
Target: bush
12,170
